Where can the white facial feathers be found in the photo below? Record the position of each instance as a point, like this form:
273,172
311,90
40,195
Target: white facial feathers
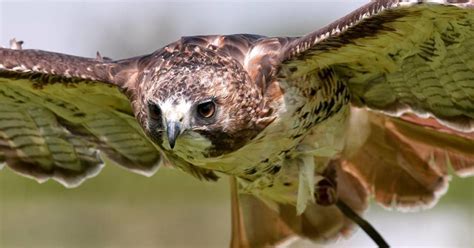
178,111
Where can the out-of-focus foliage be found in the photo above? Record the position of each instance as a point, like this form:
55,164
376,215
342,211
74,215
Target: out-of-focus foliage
171,209
116,208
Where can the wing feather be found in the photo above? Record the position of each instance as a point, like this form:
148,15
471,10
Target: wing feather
61,114
398,58
406,165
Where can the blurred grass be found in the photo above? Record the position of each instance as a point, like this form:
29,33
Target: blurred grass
170,209
115,209
461,190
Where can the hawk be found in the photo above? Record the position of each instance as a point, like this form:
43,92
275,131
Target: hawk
378,103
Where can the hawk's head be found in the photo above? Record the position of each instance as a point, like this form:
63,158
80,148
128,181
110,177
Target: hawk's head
197,101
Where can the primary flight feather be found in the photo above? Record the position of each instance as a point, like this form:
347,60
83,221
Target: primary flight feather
380,102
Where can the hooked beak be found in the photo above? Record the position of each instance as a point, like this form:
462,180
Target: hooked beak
173,131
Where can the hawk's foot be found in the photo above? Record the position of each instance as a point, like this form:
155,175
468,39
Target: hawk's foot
325,193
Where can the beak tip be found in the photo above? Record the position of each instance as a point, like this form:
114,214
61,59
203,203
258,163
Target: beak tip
174,130
172,145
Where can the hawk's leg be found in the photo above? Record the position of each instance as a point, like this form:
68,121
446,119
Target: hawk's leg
326,195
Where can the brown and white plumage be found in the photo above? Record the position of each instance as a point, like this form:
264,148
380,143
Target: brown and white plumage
283,114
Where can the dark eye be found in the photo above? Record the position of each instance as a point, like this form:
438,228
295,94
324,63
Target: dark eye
154,111
206,109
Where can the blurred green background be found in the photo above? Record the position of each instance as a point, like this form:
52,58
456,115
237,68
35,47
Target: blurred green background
121,209
117,208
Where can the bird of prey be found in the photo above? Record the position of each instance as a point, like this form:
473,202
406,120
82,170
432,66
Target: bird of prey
378,103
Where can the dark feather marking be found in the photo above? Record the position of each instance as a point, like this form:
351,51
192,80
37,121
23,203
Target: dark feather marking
297,136
275,169
79,114
250,171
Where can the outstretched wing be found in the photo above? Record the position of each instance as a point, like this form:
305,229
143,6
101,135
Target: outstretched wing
398,57
414,63
60,114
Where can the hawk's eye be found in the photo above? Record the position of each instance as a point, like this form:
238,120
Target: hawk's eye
206,109
154,111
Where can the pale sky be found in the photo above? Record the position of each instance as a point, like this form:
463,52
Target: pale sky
125,28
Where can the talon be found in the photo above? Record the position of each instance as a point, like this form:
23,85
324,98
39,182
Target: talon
325,193
16,45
